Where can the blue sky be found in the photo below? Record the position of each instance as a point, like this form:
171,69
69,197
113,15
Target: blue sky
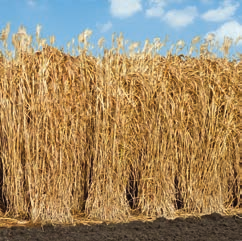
138,20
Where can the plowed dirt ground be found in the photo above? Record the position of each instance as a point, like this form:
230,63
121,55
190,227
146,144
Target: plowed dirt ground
212,227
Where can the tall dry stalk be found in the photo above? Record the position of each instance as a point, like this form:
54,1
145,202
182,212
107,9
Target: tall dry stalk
122,132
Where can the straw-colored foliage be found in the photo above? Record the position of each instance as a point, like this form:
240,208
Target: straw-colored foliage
108,135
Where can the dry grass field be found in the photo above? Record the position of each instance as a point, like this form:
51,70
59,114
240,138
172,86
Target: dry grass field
118,134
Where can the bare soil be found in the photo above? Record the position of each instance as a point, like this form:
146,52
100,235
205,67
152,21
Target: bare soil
209,227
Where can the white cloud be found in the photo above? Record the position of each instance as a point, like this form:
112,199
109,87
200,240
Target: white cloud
222,13
105,27
37,5
180,18
230,29
156,8
125,8
31,3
